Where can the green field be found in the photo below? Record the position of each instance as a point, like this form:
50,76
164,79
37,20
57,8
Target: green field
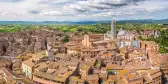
96,28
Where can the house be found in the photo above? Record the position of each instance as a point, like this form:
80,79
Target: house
6,74
135,78
149,33
137,53
53,74
93,40
61,49
76,80
164,66
111,57
28,68
113,69
84,70
152,76
103,74
45,78
92,79
86,41
91,52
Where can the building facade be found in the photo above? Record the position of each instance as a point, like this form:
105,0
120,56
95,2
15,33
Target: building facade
28,67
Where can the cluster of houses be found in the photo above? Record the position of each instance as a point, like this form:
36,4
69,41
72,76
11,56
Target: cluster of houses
99,59
110,58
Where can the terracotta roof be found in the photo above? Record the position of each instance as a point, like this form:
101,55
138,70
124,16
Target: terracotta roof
103,75
49,76
84,67
92,77
147,80
4,63
39,54
67,74
112,78
103,68
113,66
76,78
41,65
61,70
122,81
108,54
122,73
29,63
50,71
133,76
11,82
90,49
154,73
8,73
97,42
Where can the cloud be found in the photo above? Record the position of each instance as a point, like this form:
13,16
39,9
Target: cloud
98,7
34,11
80,9
10,0
53,13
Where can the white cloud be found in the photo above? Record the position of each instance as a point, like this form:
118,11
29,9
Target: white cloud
79,9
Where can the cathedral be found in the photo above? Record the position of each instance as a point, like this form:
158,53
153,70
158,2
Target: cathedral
125,38
122,38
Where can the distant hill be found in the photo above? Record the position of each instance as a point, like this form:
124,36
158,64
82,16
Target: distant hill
163,21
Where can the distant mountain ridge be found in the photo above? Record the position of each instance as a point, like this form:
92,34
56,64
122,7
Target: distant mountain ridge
163,21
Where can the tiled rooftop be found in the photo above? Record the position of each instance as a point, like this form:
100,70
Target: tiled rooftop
29,63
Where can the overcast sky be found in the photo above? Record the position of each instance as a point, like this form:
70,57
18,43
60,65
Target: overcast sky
75,10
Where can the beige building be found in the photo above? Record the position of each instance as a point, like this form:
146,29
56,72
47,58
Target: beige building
153,77
76,80
28,68
92,79
91,52
86,41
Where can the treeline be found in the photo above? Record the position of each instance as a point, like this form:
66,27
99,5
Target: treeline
16,28
96,28
162,40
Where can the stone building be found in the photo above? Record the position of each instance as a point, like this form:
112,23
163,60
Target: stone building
149,33
164,67
112,58
86,41
92,79
61,49
125,38
91,52
110,35
28,68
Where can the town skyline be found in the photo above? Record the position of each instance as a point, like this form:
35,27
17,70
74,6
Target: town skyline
115,53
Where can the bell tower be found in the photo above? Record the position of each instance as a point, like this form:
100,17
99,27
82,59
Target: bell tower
113,29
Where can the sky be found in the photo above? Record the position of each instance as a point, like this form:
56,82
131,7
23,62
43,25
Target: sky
79,10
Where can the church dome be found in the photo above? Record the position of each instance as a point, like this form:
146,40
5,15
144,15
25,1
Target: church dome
121,32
